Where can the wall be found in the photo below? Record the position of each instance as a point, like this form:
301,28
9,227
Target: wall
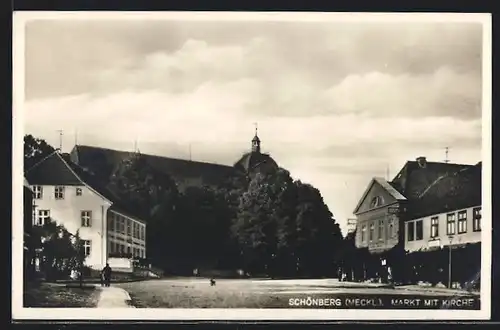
442,240
367,215
121,265
136,245
67,212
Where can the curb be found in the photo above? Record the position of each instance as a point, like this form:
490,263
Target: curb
128,299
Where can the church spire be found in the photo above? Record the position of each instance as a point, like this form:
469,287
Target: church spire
256,141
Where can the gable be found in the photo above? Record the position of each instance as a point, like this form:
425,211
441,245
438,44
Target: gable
52,171
375,191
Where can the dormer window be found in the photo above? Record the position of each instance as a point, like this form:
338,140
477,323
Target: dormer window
376,201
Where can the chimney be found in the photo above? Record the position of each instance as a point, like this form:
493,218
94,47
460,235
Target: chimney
422,161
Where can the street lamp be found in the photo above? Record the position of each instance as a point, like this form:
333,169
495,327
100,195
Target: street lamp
449,261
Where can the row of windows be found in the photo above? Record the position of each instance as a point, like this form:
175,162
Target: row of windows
459,219
43,217
59,192
116,247
380,230
120,224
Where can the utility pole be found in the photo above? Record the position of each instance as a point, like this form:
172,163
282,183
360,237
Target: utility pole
449,262
60,139
190,152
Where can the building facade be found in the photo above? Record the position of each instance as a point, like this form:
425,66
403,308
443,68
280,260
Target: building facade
458,227
64,194
378,217
447,213
426,206
126,235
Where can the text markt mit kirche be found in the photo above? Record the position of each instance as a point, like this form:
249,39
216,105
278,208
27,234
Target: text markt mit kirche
354,302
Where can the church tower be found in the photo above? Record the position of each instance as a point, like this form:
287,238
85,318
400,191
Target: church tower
256,142
255,161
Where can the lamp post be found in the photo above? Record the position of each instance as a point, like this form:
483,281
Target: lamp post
449,261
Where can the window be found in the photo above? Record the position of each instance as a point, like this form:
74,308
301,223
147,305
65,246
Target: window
121,225
363,233
410,229
450,224
381,230
129,227
59,192
43,217
419,235
122,248
462,222
434,227
372,231
143,232
476,217
37,192
79,191
112,247
376,201
87,245
128,250
86,217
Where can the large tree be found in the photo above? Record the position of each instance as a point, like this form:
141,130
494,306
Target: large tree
152,195
284,228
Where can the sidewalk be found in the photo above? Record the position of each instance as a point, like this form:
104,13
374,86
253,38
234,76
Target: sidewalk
112,297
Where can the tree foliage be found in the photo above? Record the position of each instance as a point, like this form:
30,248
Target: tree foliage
35,150
59,254
285,229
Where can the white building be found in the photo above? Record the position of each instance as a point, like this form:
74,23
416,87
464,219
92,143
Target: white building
447,213
68,195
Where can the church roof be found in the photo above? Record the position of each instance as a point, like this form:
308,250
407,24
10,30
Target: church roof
103,161
252,160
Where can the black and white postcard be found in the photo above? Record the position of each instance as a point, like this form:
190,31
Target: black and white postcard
251,166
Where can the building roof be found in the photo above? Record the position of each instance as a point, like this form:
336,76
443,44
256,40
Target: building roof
102,162
58,170
384,184
416,176
252,160
451,191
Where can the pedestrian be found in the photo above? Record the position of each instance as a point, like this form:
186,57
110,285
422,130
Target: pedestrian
106,271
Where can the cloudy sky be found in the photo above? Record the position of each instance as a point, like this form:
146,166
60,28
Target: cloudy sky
336,102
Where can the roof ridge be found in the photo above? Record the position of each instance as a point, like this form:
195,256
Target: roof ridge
447,174
159,156
79,178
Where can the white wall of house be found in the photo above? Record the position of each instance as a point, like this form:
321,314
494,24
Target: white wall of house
461,231
80,208
126,234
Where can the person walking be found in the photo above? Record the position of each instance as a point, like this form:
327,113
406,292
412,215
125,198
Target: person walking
106,272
